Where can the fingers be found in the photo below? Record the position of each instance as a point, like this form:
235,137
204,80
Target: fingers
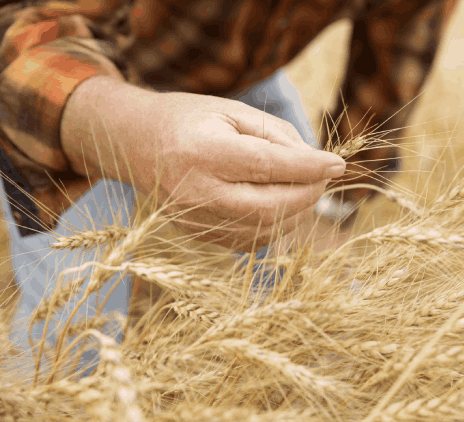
279,164
248,159
284,158
237,236
245,203
279,131
241,204
263,125
269,203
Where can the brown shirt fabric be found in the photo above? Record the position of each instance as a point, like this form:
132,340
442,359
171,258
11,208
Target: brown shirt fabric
212,47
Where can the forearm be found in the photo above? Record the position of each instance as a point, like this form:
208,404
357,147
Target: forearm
100,123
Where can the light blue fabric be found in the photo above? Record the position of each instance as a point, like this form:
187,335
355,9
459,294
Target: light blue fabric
36,267
281,100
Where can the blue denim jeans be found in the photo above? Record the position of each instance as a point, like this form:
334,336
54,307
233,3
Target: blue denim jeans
36,267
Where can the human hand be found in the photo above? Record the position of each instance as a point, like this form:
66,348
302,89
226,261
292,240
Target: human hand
218,148
215,155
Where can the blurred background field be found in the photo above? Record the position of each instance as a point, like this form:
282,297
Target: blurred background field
434,138
434,144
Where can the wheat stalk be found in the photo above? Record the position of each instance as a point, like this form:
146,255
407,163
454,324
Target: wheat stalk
90,239
415,236
403,201
58,301
98,321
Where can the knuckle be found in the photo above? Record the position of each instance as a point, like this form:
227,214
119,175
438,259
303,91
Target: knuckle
291,131
261,167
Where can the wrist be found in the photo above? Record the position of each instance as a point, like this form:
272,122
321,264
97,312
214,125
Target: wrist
101,121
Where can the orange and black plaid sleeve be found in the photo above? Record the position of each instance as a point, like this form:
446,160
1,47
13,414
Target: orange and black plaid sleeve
42,60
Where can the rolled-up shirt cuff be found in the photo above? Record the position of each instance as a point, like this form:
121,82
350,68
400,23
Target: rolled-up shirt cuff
34,89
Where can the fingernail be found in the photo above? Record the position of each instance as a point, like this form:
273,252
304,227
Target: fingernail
335,171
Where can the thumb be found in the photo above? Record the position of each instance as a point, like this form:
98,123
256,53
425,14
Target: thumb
259,161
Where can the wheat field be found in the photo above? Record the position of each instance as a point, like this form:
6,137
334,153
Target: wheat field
369,327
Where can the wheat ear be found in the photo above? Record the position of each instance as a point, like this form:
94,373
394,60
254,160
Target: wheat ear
415,236
350,147
90,239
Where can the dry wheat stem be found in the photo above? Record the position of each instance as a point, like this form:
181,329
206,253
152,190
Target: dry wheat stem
391,195
71,316
53,299
62,298
412,235
96,322
390,368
